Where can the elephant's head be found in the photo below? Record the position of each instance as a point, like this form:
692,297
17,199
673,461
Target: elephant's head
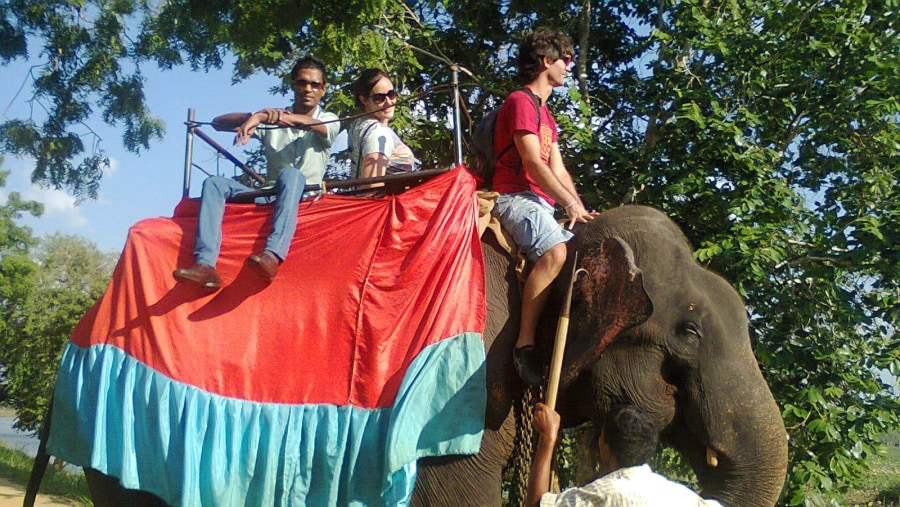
653,328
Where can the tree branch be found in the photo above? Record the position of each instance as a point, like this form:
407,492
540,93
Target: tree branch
584,37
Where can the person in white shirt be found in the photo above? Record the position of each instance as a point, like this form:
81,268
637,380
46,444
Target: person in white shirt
627,440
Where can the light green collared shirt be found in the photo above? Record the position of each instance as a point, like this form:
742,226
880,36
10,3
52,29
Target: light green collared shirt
306,150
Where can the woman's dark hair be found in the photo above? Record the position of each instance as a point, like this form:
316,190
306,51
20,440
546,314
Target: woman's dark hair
308,62
538,44
365,82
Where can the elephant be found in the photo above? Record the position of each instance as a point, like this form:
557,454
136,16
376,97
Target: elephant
650,327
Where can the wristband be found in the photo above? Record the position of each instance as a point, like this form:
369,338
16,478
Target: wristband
573,203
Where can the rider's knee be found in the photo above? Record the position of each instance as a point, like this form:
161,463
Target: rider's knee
555,256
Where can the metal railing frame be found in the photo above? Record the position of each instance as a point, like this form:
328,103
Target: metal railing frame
193,128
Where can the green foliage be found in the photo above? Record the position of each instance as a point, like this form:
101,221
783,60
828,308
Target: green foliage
16,268
791,175
84,48
767,129
15,239
69,275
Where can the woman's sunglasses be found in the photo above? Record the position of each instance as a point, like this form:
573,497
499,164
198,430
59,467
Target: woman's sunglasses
379,98
567,59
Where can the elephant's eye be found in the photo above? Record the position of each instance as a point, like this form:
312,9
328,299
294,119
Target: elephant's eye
693,328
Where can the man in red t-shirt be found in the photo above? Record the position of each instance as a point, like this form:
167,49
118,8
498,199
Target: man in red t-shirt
531,178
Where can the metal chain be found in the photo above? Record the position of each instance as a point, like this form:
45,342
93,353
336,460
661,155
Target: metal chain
523,444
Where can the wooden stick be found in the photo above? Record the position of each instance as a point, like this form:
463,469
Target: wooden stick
559,345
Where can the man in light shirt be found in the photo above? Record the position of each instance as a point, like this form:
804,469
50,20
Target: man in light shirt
297,143
627,440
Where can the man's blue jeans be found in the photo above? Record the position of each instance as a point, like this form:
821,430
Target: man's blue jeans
216,189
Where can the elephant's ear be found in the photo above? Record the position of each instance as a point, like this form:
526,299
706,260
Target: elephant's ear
612,289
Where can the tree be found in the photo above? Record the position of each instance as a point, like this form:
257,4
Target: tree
45,287
16,268
767,128
92,53
70,274
783,167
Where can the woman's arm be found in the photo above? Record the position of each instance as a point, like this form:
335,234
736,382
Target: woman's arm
373,165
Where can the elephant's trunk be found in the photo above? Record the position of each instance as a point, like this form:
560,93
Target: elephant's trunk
750,481
727,405
742,459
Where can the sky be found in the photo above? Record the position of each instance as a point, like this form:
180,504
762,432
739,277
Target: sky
136,186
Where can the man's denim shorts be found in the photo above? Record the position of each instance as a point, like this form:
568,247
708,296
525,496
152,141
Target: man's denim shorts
529,219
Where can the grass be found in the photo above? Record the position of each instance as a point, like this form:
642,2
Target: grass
881,487
15,466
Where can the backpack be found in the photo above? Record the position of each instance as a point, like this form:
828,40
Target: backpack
483,142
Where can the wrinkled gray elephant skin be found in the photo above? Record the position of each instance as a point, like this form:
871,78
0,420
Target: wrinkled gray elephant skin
649,327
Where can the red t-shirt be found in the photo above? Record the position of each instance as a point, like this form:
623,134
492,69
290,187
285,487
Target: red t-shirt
518,113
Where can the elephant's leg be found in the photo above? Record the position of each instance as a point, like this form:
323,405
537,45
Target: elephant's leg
107,492
466,481
460,481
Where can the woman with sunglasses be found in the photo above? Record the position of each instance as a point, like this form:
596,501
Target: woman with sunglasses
375,149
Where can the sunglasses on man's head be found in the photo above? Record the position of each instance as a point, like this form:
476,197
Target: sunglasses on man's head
302,83
378,98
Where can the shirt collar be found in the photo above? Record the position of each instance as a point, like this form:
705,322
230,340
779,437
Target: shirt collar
634,471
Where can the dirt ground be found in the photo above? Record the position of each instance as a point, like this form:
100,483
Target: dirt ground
12,495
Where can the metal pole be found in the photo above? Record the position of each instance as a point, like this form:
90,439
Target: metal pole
457,127
392,181
188,153
225,153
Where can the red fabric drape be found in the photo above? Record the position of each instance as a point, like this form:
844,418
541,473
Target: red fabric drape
368,283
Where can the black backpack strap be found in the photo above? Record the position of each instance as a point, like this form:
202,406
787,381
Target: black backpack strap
537,107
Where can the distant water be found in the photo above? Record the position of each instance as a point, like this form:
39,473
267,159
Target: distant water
24,442
15,439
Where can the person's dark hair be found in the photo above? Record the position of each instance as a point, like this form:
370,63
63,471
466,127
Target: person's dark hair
308,62
631,435
365,82
538,44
